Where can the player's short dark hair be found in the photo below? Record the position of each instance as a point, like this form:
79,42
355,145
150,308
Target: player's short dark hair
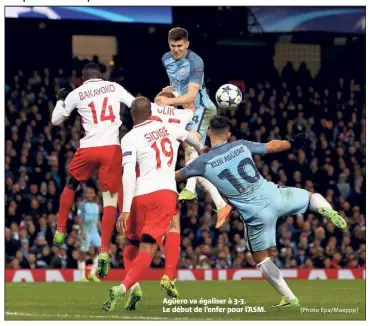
141,108
178,34
91,66
91,70
166,94
219,124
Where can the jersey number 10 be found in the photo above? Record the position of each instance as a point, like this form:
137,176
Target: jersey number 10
167,153
229,176
103,116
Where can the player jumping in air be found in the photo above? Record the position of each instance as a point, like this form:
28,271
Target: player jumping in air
150,197
98,103
230,167
88,214
185,70
177,118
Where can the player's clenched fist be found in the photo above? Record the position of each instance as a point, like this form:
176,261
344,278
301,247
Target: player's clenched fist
161,100
121,224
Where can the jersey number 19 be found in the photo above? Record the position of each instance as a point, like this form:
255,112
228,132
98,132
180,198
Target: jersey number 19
167,153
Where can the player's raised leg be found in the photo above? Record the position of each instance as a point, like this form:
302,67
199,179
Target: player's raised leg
79,170
223,209
189,192
172,253
65,204
320,205
110,172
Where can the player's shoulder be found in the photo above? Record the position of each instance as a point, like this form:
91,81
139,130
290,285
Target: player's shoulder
128,137
154,107
82,204
193,57
186,113
166,57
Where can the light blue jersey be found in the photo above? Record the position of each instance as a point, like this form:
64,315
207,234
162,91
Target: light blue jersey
89,212
190,69
230,167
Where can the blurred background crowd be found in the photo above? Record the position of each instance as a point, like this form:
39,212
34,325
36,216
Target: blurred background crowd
292,82
333,116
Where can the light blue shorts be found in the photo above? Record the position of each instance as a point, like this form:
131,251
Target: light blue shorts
92,240
260,230
201,119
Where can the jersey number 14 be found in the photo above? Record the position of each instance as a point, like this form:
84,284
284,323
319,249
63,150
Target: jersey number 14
103,116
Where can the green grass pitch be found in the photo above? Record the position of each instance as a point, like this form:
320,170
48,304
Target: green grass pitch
83,301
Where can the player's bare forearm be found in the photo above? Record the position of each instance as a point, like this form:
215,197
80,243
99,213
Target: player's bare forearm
276,146
187,98
193,141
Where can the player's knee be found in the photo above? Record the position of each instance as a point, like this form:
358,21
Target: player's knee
147,238
135,243
260,256
110,199
73,183
196,133
175,224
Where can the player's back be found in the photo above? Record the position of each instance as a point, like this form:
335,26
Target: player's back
190,69
230,167
171,115
98,103
89,213
156,152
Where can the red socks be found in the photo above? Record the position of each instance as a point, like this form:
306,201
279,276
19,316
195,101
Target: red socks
172,253
129,254
139,266
66,201
107,226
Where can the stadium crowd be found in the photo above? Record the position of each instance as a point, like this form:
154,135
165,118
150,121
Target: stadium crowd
331,111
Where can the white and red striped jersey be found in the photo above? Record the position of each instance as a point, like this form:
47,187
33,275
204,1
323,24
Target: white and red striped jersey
98,103
152,146
171,115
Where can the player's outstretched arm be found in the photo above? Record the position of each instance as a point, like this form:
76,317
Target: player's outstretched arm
124,96
66,103
188,98
194,169
276,146
187,137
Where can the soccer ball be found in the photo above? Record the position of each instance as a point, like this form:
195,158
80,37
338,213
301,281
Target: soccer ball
228,97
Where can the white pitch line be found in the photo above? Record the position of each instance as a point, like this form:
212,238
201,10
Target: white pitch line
107,316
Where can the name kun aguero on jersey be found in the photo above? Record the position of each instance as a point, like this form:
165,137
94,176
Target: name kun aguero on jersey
96,92
227,157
